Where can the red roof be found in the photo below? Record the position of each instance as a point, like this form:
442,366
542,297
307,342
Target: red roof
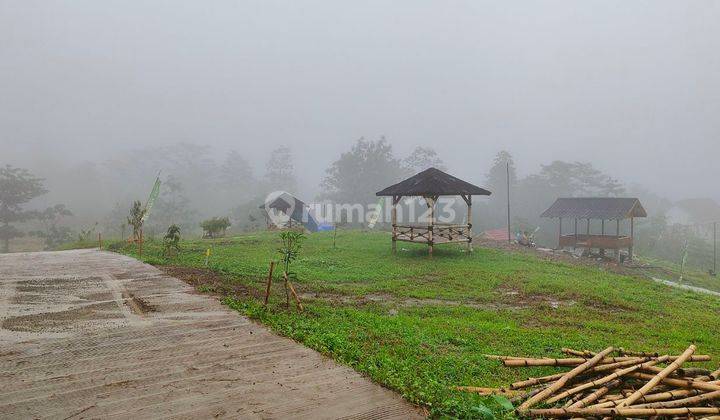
497,234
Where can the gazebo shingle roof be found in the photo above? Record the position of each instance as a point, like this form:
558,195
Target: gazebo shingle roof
432,182
606,208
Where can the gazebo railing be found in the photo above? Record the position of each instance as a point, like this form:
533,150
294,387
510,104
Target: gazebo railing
432,234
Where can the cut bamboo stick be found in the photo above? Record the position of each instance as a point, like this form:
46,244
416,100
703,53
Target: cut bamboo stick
682,383
693,372
605,379
535,381
624,412
565,378
584,353
689,401
616,365
659,377
520,362
488,391
624,352
594,396
496,357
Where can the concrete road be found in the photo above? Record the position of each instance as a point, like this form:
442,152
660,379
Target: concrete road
88,334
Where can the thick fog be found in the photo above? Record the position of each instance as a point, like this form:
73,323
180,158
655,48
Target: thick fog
631,87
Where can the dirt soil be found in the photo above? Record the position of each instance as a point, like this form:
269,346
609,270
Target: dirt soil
88,334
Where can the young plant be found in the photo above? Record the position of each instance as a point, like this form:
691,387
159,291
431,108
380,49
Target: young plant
291,243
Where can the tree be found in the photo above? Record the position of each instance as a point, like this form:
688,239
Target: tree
215,226
578,178
280,171
17,187
368,167
235,175
54,234
496,180
423,158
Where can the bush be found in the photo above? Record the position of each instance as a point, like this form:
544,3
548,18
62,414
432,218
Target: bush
215,227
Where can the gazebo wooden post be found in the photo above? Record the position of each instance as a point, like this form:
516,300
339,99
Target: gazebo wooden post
431,206
393,215
468,200
602,232
632,238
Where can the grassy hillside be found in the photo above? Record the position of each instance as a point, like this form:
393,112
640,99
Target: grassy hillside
420,325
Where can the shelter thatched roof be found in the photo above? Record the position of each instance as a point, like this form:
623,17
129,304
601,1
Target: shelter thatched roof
283,202
432,182
606,208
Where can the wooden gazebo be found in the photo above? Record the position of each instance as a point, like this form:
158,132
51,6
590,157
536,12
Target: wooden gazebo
597,208
431,184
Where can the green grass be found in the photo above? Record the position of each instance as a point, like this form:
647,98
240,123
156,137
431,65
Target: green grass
420,325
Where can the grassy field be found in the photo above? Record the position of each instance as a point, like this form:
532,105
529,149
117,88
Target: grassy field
420,325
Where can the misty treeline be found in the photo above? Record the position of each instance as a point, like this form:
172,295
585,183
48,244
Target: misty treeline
76,202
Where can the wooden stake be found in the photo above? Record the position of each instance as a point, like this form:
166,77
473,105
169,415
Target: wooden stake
269,283
565,378
292,289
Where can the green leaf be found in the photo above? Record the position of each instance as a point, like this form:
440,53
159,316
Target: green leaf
504,402
483,411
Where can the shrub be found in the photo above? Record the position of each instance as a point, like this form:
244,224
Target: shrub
215,227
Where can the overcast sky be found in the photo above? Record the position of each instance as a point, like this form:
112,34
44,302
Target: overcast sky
632,86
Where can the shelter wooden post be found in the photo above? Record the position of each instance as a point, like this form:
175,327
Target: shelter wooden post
560,232
617,232
576,234
602,233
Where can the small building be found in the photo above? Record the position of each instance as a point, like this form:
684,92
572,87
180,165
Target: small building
431,184
597,208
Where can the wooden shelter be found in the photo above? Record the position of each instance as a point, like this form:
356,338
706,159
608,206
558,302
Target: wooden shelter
293,211
597,208
431,184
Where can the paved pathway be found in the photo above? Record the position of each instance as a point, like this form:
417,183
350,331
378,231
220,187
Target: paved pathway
88,334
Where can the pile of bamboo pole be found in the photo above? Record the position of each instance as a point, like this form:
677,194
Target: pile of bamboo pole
614,383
